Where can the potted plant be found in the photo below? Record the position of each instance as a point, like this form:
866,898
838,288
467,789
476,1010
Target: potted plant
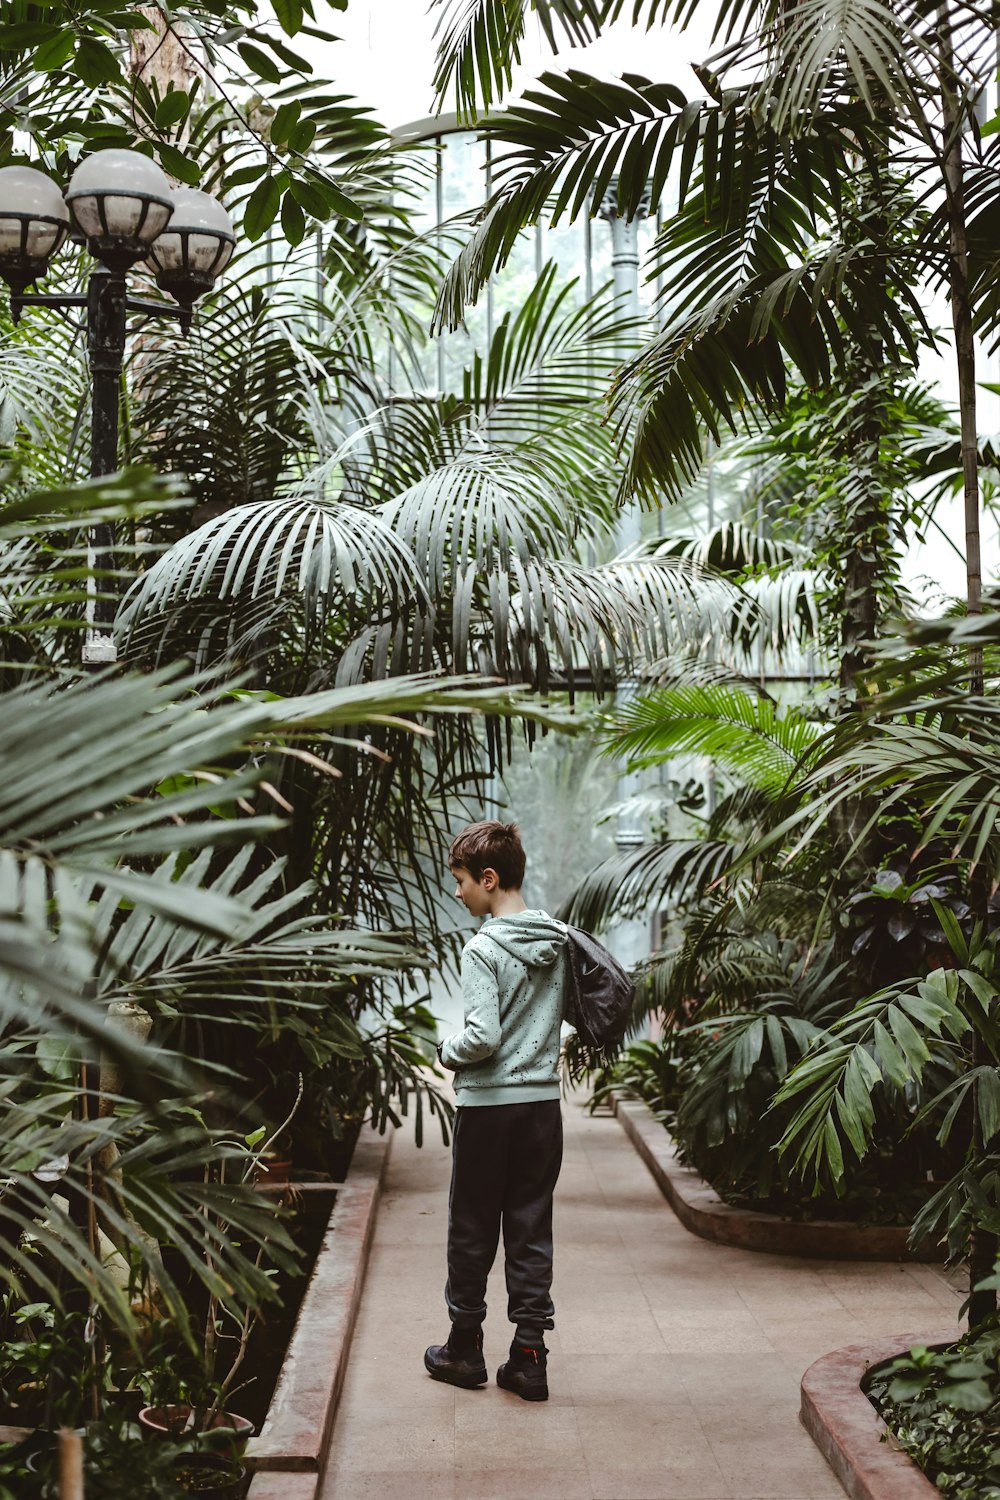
118,1466
195,1402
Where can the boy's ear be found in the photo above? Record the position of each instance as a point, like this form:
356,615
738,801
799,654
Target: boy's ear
489,880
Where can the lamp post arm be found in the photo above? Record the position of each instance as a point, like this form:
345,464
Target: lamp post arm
144,305
44,299
153,309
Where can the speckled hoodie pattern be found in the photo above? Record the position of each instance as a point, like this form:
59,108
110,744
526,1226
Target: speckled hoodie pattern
513,973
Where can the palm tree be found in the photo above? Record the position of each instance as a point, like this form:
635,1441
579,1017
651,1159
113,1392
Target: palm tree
352,532
138,884
763,268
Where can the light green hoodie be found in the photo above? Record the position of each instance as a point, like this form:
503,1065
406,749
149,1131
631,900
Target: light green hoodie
513,972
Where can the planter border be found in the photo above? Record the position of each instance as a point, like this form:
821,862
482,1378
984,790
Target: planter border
849,1432
288,1454
701,1210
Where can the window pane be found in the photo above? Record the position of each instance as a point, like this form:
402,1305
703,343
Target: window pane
566,245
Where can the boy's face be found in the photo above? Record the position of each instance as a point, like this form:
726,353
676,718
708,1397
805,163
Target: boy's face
475,895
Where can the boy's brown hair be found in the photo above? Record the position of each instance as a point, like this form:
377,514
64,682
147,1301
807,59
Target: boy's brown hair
490,846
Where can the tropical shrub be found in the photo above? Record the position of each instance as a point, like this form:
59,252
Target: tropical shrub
930,749
940,1406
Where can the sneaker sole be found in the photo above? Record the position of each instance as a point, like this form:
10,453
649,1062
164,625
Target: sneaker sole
524,1395
464,1382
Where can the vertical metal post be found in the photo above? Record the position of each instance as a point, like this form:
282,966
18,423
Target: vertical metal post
711,779
489,284
439,219
106,350
625,275
321,285
630,940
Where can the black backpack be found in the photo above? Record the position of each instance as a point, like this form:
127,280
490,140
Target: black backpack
599,994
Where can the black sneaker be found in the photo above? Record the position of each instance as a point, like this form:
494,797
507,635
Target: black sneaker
524,1373
460,1360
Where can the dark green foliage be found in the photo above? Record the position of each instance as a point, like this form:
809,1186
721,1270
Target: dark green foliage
941,1407
67,80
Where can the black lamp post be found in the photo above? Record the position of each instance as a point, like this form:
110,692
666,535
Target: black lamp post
125,210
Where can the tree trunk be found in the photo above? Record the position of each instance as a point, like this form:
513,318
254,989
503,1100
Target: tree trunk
161,53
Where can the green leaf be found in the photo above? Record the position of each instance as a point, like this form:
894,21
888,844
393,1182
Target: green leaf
834,1154
293,221
911,1043
262,208
176,164
290,58
988,1102
55,53
968,1395
312,200
984,989
302,136
265,67
776,1041
96,63
246,174
340,203
172,108
289,14
256,1136
889,1055
952,931
285,118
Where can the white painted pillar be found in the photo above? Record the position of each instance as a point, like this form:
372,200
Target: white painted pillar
629,940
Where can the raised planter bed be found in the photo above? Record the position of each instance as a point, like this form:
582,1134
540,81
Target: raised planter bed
702,1211
849,1432
288,1454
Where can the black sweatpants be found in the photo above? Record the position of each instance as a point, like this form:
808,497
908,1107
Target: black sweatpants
505,1162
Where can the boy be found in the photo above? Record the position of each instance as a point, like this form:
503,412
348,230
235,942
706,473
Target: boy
507,1141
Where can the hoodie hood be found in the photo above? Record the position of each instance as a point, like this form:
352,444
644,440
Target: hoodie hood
531,936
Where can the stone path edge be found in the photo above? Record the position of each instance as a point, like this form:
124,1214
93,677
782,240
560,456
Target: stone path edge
848,1430
702,1211
288,1454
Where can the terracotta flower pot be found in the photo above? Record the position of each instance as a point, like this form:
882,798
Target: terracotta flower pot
272,1171
174,1421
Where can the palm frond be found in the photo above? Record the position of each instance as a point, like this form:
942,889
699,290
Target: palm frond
566,145
547,363
642,880
743,304
882,1043
46,568
862,47
65,802
784,609
731,547
329,552
747,734
476,513
480,43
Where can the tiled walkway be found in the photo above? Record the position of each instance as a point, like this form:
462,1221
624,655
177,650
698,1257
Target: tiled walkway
674,1369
